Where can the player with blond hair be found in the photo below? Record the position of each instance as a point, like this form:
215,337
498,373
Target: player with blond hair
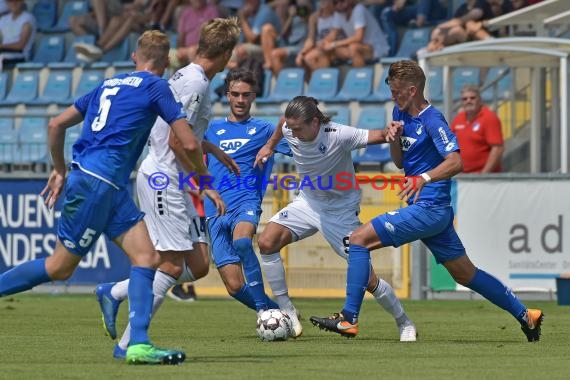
118,117
174,224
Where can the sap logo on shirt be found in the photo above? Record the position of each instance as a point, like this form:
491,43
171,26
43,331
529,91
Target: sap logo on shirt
407,142
232,146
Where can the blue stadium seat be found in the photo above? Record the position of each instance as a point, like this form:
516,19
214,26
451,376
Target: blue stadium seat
3,85
71,135
340,114
45,12
463,76
217,81
324,84
372,154
9,151
121,52
372,118
90,78
412,41
70,55
382,91
58,86
435,84
357,84
70,8
290,83
51,48
33,139
25,86
502,89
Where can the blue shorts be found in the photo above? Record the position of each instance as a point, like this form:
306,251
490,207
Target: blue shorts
92,207
433,225
221,229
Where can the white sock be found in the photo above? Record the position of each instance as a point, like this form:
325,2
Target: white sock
187,275
275,274
162,282
120,290
385,296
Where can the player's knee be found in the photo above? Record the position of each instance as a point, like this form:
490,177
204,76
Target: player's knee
61,274
266,244
174,270
233,285
358,237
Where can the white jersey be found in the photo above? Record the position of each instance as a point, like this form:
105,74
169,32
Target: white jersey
193,88
321,161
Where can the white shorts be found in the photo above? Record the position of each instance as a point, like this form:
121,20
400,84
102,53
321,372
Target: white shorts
172,220
305,220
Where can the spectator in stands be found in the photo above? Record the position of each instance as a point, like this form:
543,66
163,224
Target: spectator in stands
377,6
133,19
364,37
479,30
252,17
320,24
410,12
3,8
277,48
478,131
95,21
189,25
17,32
453,31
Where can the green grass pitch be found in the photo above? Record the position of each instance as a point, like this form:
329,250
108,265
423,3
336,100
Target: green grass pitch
61,337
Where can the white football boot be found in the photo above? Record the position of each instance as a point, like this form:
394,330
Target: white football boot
408,332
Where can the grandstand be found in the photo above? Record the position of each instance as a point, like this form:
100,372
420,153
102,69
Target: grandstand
527,85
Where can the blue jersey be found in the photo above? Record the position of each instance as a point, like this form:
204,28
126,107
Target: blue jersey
426,141
118,117
241,141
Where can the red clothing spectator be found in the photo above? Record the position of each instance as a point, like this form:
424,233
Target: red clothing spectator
478,131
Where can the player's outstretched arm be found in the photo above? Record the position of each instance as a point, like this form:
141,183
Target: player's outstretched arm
393,134
269,148
221,156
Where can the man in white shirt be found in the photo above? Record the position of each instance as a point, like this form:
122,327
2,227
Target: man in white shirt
321,150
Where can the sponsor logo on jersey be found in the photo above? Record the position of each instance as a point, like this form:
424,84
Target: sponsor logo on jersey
419,129
407,142
322,148
389,226
232,146
449,146
330,130
251,130
283,214
443,135
250,212
221,132
476,127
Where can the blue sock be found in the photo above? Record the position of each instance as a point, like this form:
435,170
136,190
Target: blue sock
270,303
23,277
251,271
496,292
140,303
244,296
357,276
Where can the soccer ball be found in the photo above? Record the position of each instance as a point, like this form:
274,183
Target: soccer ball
273,325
